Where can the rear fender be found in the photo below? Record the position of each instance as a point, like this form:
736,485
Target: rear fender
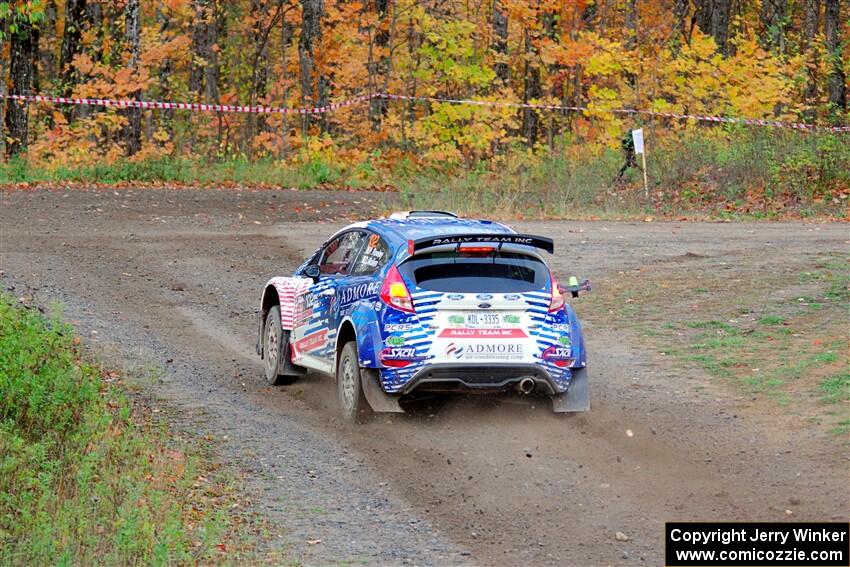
280,291
365,322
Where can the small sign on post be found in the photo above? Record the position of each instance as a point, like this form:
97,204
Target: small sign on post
637,138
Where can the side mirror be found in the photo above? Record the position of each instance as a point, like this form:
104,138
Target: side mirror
313,272
574,288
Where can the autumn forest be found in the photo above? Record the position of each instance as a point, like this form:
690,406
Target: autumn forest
783,60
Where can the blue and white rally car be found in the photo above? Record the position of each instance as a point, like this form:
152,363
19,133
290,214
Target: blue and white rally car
425,301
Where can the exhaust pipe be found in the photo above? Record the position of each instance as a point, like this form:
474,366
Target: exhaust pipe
526,385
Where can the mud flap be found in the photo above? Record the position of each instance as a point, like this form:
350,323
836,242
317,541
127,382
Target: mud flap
577,397
375,395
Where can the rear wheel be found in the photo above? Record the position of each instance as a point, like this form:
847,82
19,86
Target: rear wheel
349,376
276,350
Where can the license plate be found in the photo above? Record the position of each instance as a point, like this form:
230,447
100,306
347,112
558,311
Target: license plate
483,320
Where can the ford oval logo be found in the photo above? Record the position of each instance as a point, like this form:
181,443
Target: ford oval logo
484,305
484,297
454,296
512,296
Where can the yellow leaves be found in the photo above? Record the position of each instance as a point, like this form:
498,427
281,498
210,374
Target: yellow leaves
660,105
701,48
603,64
58,118
756,81
606,58
161,136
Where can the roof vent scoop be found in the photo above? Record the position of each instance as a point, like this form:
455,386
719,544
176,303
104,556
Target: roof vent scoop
404,215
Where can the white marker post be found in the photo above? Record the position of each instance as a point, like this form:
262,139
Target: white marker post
637,138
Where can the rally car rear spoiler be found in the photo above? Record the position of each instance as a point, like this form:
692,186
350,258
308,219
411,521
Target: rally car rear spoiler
541,242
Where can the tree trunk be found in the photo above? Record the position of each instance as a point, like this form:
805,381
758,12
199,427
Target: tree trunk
835,83
165,70
260,72
811,26
553,70
204,71
500,41
720,24
132,31
47,59
811,20
379,66
23,51
311,33
531,90
631,35
680,13
259,69
286,35
75,17
712,17
774,20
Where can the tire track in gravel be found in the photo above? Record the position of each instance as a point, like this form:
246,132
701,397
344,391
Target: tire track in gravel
500,478
312,486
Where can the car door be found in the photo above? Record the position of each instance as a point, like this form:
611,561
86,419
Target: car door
317,308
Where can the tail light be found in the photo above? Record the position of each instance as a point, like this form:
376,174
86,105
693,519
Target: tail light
475,251
557,301
394,292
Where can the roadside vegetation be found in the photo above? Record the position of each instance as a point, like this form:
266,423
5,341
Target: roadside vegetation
777,333
380,77
712,173
86,477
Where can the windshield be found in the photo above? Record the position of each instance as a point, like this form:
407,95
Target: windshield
473,272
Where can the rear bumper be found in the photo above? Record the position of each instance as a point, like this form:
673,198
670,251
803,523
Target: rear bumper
478,377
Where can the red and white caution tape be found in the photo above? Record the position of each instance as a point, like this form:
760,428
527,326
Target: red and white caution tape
201,107
194,106
698,117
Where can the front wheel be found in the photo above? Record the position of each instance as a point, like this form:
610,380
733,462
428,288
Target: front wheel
352,401
276,350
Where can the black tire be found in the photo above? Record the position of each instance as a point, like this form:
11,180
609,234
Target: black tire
352,401
276,350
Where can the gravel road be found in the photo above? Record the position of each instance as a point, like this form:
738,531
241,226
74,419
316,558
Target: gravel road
170,280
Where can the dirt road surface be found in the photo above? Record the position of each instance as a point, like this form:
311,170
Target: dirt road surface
171,281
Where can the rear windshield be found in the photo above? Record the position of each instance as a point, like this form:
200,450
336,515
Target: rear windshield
503,272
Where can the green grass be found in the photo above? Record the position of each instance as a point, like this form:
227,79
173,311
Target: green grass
719,325
83,479
740,174
705,173
756,333
842,429
187,171
836,388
